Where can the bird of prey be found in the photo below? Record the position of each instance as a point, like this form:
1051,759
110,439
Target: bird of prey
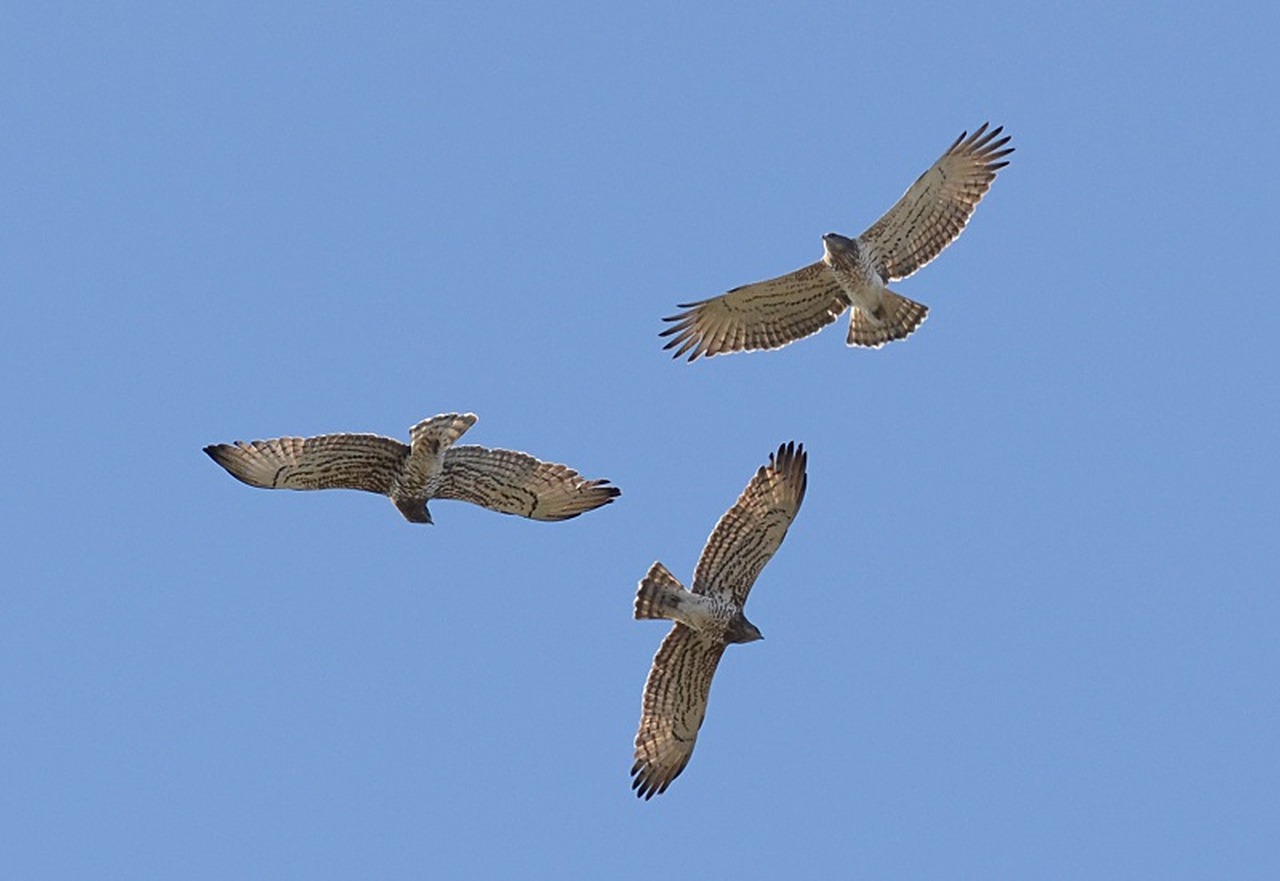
429,467
709,617
853,273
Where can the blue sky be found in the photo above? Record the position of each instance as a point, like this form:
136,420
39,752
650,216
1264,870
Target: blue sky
1025,625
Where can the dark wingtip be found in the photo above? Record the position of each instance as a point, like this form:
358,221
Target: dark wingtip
602,494
603,485
684,344
792,458
217,452
644,787
787,452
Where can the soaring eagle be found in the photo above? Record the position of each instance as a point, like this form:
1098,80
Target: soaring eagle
429,467
709,617
853,273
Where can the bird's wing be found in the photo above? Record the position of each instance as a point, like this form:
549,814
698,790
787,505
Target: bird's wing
934,210
752,530
765,315
329,461
675,702
517,483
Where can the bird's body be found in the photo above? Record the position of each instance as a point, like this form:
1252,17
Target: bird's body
420,477
878,314
853,273
708,618
715,617
429,467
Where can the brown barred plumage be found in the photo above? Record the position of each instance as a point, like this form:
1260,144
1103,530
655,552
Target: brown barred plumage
709,617
430,467
853,273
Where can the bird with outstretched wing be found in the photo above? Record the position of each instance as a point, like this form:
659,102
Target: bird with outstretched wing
428,467
709,617
853,273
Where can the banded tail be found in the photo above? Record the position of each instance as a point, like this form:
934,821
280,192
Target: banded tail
659,594
437,434
897,318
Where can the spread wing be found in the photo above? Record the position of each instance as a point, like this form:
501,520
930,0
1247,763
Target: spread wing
765,315
328,461
675,702
935,209
752,530
517,483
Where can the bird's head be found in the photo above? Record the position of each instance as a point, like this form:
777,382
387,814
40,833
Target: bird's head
414,510
742,630
839,251
833,241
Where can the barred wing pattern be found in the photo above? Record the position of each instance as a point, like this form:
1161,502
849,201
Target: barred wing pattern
675,703
929,216
411,475
517,483
750,532
934,210
764,315
679,682
366,462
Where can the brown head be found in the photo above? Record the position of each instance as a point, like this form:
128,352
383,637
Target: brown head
414,510
834,244
742,630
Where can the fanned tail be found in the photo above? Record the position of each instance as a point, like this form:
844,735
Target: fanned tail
438,433
898,317
659,593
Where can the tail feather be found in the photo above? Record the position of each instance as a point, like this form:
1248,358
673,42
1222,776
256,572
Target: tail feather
896,319
659,593
438,433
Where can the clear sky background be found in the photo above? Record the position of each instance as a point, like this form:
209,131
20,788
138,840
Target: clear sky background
1025,625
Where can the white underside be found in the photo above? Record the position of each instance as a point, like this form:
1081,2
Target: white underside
701,612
